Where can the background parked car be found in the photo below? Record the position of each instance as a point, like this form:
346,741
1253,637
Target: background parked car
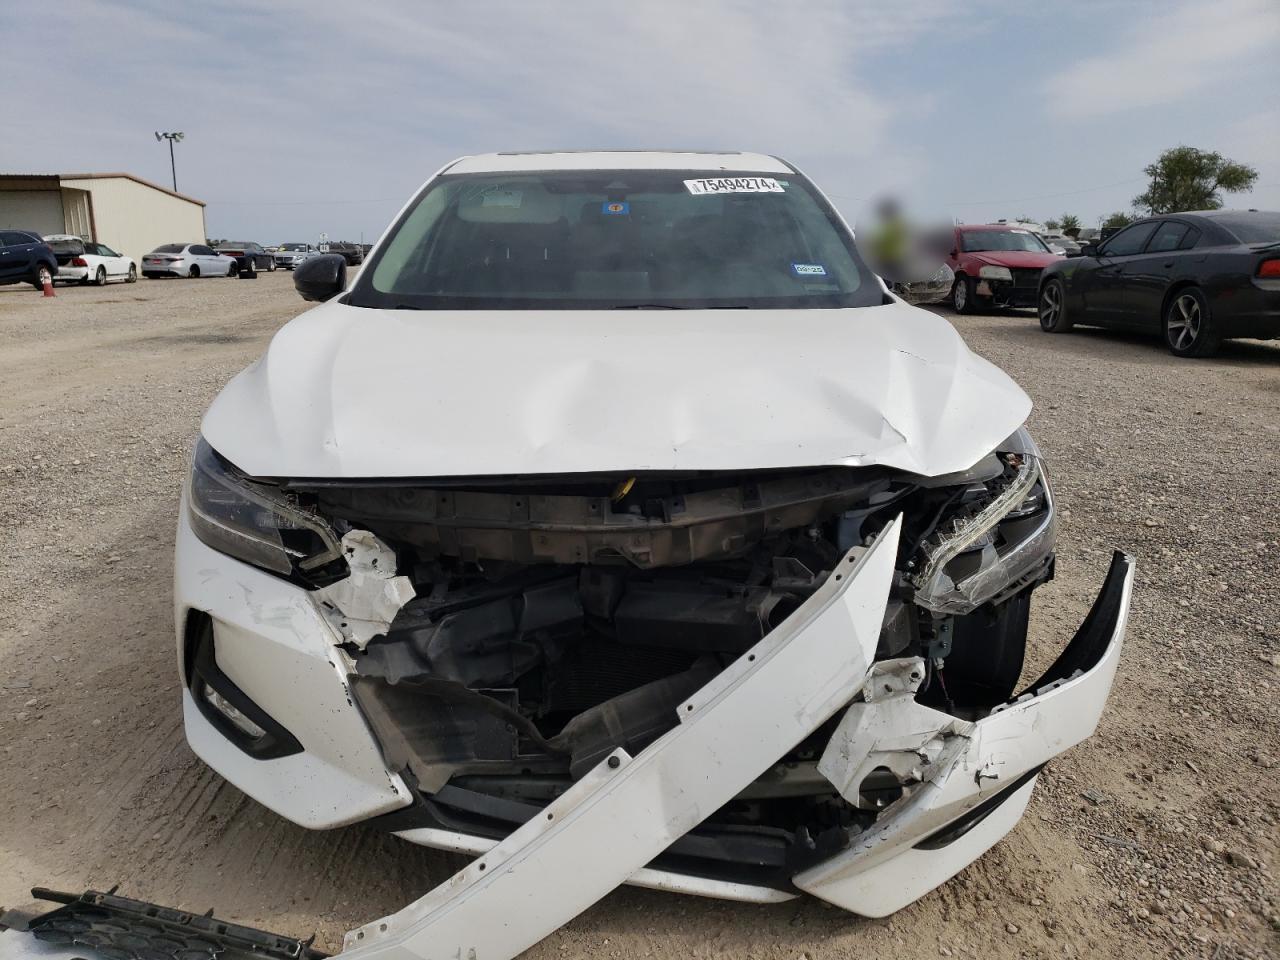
1198,278
1060,244
188,260
25,258
289,255
351,252
246,252
996,266
84,261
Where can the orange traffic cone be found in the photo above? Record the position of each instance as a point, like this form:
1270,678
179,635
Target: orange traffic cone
46,281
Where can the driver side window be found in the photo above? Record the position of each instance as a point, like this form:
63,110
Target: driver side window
1130,240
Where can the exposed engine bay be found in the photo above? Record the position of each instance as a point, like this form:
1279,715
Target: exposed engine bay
557,619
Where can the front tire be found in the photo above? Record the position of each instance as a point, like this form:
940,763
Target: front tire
1189,330
233,270
100,278
1052,307
133,274
963,299
271,265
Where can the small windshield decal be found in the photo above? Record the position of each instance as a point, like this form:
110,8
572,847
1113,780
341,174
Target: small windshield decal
734,185
616,207
809,269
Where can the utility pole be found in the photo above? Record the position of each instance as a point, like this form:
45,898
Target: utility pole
172,138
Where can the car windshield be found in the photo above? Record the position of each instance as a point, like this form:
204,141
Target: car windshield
1253,227
293,246
975,241
617,239
170,248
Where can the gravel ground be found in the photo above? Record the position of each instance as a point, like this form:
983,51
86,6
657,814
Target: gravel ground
1157,838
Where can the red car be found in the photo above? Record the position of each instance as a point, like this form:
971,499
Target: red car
996,266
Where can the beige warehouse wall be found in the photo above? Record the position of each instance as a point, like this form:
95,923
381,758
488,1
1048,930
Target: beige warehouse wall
134,219
38,210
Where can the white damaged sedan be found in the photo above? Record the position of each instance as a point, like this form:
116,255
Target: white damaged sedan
617,525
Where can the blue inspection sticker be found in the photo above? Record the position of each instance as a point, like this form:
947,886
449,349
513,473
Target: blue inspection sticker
615,208
808,270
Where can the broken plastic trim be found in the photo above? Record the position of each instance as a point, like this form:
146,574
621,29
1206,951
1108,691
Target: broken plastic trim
121,927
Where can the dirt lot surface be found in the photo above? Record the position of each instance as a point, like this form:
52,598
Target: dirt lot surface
1157,838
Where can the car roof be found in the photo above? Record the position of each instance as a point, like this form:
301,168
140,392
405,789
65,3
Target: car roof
1222,214
991,226
620,160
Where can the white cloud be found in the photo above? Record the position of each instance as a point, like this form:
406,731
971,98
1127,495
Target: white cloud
1168,53
310,100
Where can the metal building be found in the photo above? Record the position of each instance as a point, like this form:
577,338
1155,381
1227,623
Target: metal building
127,213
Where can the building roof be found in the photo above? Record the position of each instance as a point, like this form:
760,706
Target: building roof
619,160
54,179
130,176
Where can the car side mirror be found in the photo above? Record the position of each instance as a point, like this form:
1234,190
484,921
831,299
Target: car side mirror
321,278
1089,250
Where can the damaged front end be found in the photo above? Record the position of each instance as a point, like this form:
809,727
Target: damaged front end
782,681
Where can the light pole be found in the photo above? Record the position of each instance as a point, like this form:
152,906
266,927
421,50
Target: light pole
172,138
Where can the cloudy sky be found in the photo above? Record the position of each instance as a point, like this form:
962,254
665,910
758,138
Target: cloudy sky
319,116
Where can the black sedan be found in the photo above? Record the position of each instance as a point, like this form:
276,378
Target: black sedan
249,255
350,252
1196,278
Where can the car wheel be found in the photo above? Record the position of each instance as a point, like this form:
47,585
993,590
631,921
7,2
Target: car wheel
43,275
963,299
194,272
233,269
133,274
100,278
271,265
1188,327
1053,308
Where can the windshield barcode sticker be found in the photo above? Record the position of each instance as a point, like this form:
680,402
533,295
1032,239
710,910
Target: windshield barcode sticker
734,185
809,269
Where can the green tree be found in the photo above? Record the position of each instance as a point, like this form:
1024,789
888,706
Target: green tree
1052,225
1118,219
1070,224
1185,178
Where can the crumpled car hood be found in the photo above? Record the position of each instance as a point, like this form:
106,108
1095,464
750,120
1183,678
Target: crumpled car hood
347,392
1015,258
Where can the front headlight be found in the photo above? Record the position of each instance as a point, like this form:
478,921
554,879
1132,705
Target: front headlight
999,538
995,273
253,521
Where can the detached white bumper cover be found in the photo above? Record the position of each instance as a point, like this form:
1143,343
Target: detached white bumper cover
975,778
629,809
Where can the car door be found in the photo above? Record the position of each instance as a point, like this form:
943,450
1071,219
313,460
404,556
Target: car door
117,266
8,260
1148,276
211,263
1104,297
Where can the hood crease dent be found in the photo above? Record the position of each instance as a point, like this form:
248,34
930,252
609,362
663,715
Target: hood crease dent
346,392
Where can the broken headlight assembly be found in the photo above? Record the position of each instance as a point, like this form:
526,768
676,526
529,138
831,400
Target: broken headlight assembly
997,538
253,521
